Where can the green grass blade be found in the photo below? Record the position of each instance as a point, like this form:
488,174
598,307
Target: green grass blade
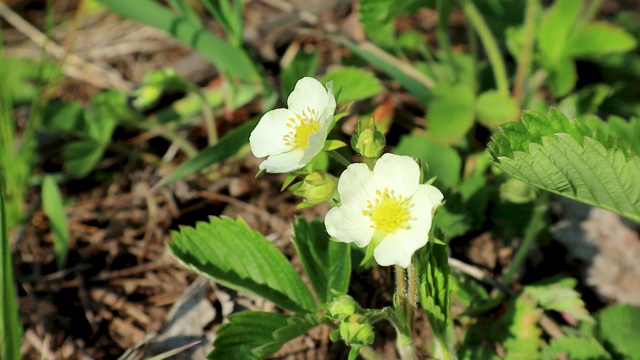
230,60
10,327
53,205
187,12
225,148
411,79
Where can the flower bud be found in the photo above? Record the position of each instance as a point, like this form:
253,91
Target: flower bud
316,188
356,330
368,142
340,307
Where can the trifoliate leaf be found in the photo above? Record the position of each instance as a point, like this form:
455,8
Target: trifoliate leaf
232,254
584,159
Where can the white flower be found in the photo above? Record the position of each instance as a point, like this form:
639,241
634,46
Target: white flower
389,202
290,138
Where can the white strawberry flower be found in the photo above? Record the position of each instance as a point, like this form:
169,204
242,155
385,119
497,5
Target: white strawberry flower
387,204
291,138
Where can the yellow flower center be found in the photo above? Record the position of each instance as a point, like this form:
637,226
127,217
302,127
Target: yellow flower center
302,126
388,212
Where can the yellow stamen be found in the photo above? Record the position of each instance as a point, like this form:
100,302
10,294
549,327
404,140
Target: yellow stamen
388,212
302,125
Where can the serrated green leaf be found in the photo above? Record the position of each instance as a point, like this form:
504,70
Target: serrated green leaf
256,335
354,84
226,147
597,39
451,114
563,157
559,295
232,254
618,327
494,109
10,326
53,206
435,286
575,348
327,263
441,160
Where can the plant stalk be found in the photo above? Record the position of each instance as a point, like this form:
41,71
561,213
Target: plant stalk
490,45
524,62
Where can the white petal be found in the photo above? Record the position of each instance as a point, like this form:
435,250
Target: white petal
267,138
423,205
347,224
315,144
398,173
398,248
283,163
331,104
308,92
356,186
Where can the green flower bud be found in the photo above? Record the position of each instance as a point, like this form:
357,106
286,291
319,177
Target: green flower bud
368,142
356,330
341,307
316,188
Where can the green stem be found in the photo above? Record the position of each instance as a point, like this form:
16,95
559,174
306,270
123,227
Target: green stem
442,350
401,288
368,353
490,45
524,62
404,342
412,296
339,158
443,38
535,225
209,119
593,7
